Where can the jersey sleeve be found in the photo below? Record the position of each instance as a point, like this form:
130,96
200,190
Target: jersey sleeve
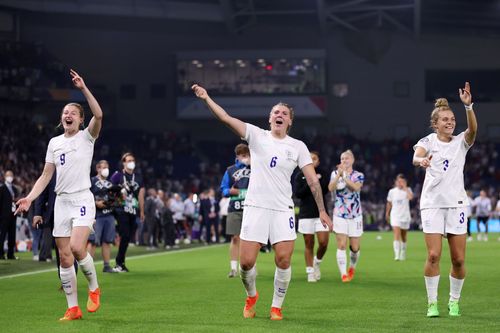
359,177
251,133
389,196
88,136
49,156
423,143
304,156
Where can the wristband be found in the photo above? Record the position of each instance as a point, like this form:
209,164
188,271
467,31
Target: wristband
468,107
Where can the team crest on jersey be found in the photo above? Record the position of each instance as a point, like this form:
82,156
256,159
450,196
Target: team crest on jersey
289,155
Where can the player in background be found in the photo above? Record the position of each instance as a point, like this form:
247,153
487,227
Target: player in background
398,213
269,212
309,222
346,183
71,154
443,201
234,185
469,215
482,207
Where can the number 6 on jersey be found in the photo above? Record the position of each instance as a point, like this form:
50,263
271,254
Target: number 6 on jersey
273,161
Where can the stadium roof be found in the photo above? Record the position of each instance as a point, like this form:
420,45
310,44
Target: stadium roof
409,16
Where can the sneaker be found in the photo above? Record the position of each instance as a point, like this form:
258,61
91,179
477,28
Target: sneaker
109,269
311,277
187,241
94,300
168,247
453,309
276,314
233,273
345,279
470,239
485,238
350,273
402,256
396,258
249,309
317,271
432,310
479,237
121,268
36,258
73,313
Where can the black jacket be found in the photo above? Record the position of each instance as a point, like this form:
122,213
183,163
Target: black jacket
6,199
308,207
44,204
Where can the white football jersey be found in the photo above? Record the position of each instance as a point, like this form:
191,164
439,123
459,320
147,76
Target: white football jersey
444,179
273,162
482,205
400,210
72,158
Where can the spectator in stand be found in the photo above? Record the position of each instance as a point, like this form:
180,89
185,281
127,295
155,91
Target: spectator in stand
189,214
177,207
209,210
9,193
482,205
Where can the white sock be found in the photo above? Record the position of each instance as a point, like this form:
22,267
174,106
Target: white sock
397,247
248,279
281,281
68,281
88,269
309,270
354,258
317,261
403,248
234,265
342,261
431,284
455,288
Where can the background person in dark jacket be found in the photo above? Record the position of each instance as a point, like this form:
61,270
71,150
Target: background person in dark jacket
309,222
209,210
8,196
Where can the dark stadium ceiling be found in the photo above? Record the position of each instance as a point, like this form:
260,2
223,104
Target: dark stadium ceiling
413,17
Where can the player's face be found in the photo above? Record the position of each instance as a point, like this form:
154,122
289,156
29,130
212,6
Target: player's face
280,118
70,118
446,123
346,160
315,160
400,182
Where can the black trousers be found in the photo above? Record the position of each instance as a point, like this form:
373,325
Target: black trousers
169,233
126,228
8,229
209,223
47,241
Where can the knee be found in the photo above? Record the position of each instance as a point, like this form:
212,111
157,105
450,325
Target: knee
433,257
323,245
235,240
354,248
341,246
309,244
246,265
77,250
282,262
458,263
66,257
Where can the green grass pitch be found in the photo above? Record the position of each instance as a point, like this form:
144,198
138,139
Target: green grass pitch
188,291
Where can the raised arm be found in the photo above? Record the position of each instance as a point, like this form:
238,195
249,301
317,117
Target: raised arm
236,125
466,98
23,204
315,186
354,186
96,121
332,186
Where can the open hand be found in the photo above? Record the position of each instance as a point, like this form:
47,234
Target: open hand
465,95
77,79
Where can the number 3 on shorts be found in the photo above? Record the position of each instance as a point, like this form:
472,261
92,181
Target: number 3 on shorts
292,223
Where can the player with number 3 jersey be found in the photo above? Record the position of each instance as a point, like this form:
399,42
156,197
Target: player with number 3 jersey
268,213
74,214
443,202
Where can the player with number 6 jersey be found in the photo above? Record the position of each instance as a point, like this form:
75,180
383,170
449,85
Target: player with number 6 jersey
268,213
74,214
443,202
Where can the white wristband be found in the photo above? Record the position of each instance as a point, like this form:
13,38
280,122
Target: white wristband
468,107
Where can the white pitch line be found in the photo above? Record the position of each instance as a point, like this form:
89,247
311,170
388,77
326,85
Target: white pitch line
128,259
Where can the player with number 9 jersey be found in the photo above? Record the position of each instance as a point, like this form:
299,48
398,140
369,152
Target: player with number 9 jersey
74,212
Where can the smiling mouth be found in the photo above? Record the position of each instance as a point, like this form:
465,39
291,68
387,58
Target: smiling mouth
279,122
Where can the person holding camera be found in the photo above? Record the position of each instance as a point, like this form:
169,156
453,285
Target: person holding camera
132,201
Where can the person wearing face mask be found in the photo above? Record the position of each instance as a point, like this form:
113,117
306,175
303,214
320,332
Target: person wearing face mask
235,185
346,183
8,196
105,222
398,214
74,212
269,213
132,191
309,223
443,201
